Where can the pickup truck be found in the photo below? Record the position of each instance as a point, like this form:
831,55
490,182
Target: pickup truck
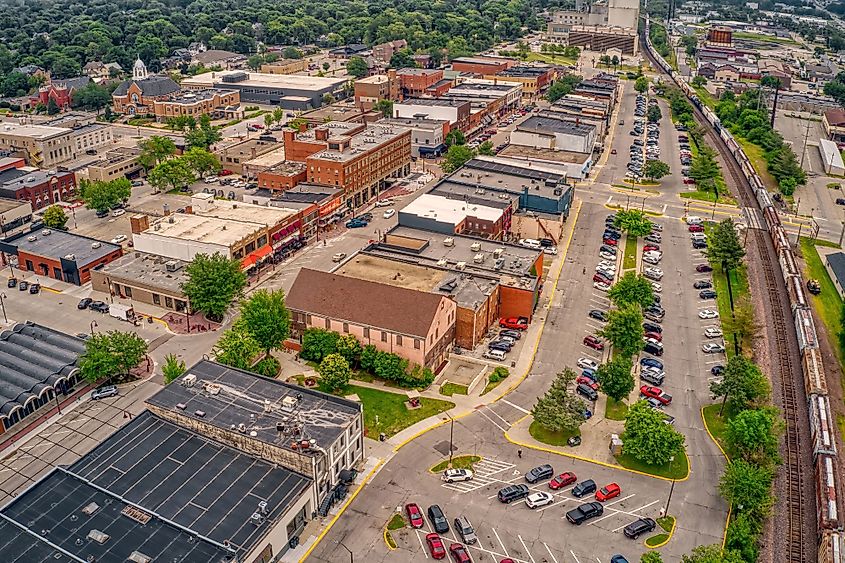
584,512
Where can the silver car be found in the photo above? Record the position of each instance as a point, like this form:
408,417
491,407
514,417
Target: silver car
465,530
104,392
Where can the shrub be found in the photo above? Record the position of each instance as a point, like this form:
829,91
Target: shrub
268,367
498,374
318,343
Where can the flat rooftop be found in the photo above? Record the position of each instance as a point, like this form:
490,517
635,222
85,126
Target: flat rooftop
530,153
480,60
8,204
473,87
59,244
230,78
452,211
335,129
229,396
211,230
246,212
37,132
269,159
415,122
334,112
544,125
306,192
287,167
431,102
148,269
194,96
116,155
373,136
16,178
506,176
525,71
410,71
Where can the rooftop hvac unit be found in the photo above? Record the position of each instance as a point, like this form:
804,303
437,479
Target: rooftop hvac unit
70,257
32,238
213,389
461,266
267,406
172,265
498,252
46,232
189,380
138,557
500,263
96,245
475,247
478,258
441,262
242,428
98,536
290,402
448,241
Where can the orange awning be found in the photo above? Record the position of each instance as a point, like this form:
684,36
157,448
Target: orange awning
254,257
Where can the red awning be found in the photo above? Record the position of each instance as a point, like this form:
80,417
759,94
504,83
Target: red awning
254,257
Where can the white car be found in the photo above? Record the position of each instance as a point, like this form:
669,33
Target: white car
338,257
389,213
118,239
653,273
712,348
607,265
455,475
117,212
601,286
211,179
607,272
698,236
651,258
587,363
694,220
708,314
537,500
384,203
712,332
607,255
656,287
656,226
550,250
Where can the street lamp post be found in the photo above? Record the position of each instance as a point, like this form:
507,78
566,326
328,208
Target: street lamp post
93,324
671,490
451,436
3,305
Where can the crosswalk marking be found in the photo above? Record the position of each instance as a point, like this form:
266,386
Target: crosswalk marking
484,475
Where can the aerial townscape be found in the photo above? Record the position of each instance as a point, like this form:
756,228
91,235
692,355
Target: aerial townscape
317,282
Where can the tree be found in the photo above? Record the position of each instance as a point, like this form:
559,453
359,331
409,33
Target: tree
265,316
268,120
455,137
254,62
203,136
102,196
651,557
55,217
326,66
201,161
563,87
52,107
91,97
704,169
278,115
559,410
747,485
632,289
753,435
357,67
742,382
624,329
292,53
742,535
456,156
699,81
648,438
724,247
318,343
743,322
213,283
402,59
171,174
155,150
236,348
655,169
334,372
633,222
349,347
653,115
711,554
615,376
173,367
614,61
111,354
385,107
486,148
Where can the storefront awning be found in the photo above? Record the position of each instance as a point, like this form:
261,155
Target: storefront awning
256,256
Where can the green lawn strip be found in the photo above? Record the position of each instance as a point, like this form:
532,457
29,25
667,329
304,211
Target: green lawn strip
763,38
666,522
490,386
396,522
550,58
840,422
551,438
739,286
393,415
450,389
629,262
458,462
716,424
827,304
705,96
677,469
615,410
701,195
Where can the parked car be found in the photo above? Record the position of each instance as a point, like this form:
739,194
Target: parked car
465,530
438,519
712,348
707,294
99,306
653,349
638,527
699,244
34,288
455,475
717,370
584,512
593,342
651,327
84,303
608,492
501,344
653,377
118,239
459,553
712,332
539,473
513,492
536,500
695,229
651,363
515,323
355,224
508,333
104,392
598,314
415,516
586,391
389,213
584,488
702,284
338,256
587,363
708,314
649,391
562,480
653,272
703,268
435,546
497,355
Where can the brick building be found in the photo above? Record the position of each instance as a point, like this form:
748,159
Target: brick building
282,176
416,81
385,51
60,91
372,89
41,188
213,102
482,65
138,95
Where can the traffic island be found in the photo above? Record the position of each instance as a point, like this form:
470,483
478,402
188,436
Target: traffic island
458,462
659,540
397,522
676,470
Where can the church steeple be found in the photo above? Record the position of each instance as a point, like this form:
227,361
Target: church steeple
139,70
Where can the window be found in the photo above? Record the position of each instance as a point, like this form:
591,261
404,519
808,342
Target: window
308,319
416,343
128,291
168,302
328,324
366,332
345,328
399,340
383,336
156,299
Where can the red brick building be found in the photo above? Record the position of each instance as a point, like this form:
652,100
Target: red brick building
283,176
60,91
415,81
40,187
481,65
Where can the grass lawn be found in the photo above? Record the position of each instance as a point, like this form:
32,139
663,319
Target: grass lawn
615,410
396,522
552,58
551,438
490,386
763,38
702,195
828,304
667,523
386,412
739,286
450,389
458,462
629,262
677,469
716,424
755,155
705,96
840,422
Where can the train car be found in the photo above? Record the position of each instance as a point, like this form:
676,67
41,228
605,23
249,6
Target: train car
826,493
815,381
805,329
786,258
832,547
821,426
772,217
795,287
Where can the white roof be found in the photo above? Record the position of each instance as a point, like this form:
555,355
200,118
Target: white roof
830,153
452,211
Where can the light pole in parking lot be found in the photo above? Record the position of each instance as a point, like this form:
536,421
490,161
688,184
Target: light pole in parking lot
93,324
3,305
671,490
451,435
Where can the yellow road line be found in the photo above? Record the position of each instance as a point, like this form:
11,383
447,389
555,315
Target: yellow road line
728,459
664,542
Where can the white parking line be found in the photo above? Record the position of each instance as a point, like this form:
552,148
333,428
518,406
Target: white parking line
617,501
517,407
496,424
573,556
489,408
526,548
552,555
422,545
504,549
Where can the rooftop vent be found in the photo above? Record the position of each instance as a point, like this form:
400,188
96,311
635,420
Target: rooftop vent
138,557
32,238
290,401
199,414
498,252
189,380
213,389
476,246
461,266
70,257
172,265
181,406
90,508
442,262
136,514
448,241
98,536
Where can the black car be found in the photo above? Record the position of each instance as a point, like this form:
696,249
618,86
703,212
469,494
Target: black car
653,349
612,234
587,487
438,519
547,242
23,285
584,512
608,248
717,370
540,473
84,303
651,327
707,294
102,213
34,288
513,492
515,334
702,284
840,201
99,306
366,216
699,244
598,314
586,391
702,268
12,282
639,526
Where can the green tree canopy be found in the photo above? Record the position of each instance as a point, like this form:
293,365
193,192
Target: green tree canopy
655,169
402,59
651,557
455,137
357,67
317,343
624,329
743,323
753,435
632,289
648,438
349,347
634,222
334,372
615,377
111,354
172,174
724,247
653,115
55,217
155,150
385,107
203,136
704,168
486,148
102,196
237,348
172,368
563,87
711,554
201,161
91,97
743,384
559,410
749,486
265,316
456,156
213,283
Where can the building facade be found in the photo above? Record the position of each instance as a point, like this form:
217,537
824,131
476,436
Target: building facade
41,188
40,145
212,102
602,38
372,89
138,95
144,278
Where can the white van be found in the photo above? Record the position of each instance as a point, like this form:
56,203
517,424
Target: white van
694,220
698,236
530,243
497,355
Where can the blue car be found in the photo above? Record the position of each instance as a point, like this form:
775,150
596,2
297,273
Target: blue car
591,373
355,224
651,362
618,559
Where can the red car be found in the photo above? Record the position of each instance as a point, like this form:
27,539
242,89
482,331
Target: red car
602,279
562,480
518,323
655,335
587,381
650,247
695,229
224,172
593,342
610,241
459,553
656,393
414,515
256,125
435,546
608,492
689,181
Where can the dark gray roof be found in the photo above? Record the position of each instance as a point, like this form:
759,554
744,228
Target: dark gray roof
837,264
241,399
73,83
60,244
33,358
152,86
209,489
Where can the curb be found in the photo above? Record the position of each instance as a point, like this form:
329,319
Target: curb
727,458
431,469
387,543
664,542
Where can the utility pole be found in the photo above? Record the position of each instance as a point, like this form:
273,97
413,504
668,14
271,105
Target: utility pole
804,148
